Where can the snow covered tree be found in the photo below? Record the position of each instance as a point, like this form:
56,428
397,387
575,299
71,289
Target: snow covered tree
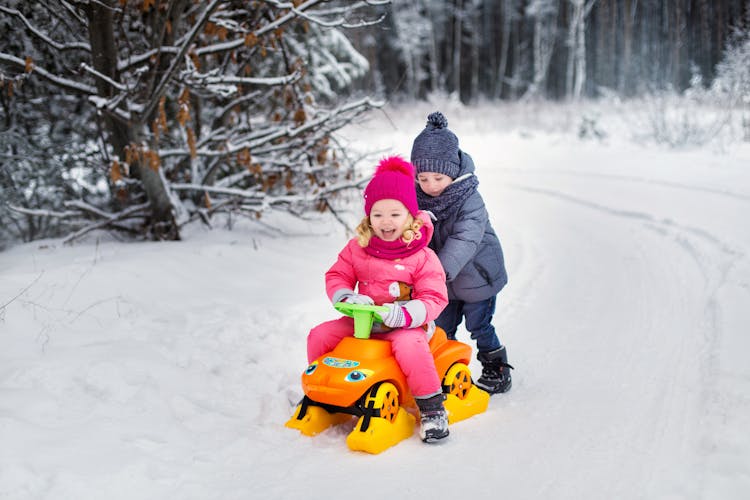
733,76
544,13
576,72
159,112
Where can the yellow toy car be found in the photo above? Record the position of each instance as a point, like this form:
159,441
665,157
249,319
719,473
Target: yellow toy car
361,378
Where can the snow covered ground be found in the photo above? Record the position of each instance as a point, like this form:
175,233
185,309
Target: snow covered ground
167,370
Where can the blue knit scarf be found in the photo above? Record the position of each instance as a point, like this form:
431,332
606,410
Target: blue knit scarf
450,200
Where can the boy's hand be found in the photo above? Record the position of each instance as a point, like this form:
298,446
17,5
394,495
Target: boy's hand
395,317
357,298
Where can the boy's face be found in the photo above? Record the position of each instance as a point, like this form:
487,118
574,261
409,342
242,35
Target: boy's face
388,219
433,183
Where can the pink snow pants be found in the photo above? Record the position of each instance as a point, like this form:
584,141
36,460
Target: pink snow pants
409,346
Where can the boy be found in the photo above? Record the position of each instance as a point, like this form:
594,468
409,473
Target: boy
466,244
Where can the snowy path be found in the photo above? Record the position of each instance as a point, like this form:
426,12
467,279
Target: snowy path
627,333
151,371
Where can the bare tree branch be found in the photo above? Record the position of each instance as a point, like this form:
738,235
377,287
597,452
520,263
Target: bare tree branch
128,212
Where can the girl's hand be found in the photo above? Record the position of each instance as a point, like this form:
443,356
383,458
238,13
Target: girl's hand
357,298
396,317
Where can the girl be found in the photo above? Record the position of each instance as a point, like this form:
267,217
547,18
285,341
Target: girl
389,255
466,244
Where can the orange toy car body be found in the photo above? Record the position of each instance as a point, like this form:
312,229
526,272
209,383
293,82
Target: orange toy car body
361,378
344,375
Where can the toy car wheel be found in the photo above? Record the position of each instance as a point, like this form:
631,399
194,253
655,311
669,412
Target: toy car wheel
384,399
458,381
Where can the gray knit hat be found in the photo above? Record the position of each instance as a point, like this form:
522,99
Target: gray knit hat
436,148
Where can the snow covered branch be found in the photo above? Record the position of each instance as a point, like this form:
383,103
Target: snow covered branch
203,80
340,21
114,84
43,213
65,83
178,59
42,36
269,136
108,220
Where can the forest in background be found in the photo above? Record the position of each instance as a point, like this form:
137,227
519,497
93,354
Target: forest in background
553,49
142,116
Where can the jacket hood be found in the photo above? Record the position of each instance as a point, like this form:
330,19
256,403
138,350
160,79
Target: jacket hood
427,221
467,164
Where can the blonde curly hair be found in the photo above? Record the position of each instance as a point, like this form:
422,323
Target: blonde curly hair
411,231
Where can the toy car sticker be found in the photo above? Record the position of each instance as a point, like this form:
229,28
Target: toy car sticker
340,363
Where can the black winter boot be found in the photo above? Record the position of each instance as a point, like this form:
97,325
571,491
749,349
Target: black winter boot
495,371
434,418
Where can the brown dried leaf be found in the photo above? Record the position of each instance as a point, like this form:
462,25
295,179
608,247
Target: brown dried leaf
191,143
244,158
153,160
269,181
162,113
183,114
115,174
29,64
184,97
300,116
196,60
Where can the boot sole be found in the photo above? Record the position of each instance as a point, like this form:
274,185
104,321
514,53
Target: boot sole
435,439
500,390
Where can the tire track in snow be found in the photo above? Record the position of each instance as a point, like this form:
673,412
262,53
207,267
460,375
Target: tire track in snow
640,180
714,259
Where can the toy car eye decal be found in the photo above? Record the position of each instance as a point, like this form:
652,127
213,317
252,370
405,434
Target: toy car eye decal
311,368
358,375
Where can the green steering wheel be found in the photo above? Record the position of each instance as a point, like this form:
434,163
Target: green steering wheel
363,315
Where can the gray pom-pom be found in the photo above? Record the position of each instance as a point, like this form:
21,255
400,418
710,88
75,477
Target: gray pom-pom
437,120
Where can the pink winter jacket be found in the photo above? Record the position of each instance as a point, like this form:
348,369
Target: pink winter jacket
384,279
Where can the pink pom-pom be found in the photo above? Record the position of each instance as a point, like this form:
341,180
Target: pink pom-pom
395,164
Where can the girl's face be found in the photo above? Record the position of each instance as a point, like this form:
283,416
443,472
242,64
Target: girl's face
433,183
388,219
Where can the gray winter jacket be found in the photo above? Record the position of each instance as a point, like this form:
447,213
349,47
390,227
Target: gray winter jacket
469,249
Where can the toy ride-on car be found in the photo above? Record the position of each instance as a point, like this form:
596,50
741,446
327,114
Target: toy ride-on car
361,378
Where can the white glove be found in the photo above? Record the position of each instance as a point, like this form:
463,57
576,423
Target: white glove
395,317
357,298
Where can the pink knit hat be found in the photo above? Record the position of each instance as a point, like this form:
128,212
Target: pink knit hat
394,180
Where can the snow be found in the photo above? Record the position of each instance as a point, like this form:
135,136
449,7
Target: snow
168,370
